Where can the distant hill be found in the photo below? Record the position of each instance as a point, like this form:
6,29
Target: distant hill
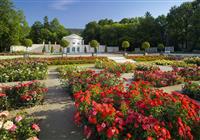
76,31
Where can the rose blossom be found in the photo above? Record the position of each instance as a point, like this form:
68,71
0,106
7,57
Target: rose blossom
35,127
18,118
13,128
8,125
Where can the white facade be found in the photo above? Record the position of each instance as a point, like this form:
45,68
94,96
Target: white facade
76,46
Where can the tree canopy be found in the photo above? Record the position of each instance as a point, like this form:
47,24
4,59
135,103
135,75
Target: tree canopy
125,45
13,26
180,28
27,42
47,31
64,43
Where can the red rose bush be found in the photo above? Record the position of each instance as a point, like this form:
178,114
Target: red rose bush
23,94
76,79
189,73
159,78
137,112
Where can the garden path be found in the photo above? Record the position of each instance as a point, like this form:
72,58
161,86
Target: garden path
56,114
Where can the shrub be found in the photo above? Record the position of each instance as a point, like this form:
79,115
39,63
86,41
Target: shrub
94,44
161,46
136,113
145,45
18,128
159,78
22,95
22,71
125,45
192,90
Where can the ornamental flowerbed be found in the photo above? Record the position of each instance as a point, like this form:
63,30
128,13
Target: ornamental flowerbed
114,67
18,128
193,60
146,67
138,112
75,80
159,78
153,58
189,73
22,71
173,63
192,90
22,95
55,60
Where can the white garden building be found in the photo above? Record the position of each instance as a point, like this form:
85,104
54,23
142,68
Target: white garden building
76,46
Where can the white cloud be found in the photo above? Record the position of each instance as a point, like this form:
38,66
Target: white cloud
62,4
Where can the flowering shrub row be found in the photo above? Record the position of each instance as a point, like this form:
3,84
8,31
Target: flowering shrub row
153,58
80,80
23,94
189,73
136,113
193,60
172,63
22,71
55,60
192,90
159,78
113,67
19,128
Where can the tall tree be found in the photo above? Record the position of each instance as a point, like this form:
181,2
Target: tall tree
13,26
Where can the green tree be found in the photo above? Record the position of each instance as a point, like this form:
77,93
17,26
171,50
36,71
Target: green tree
161,46
145,45
64,43
125,45
91,32
27,43
35,33
94,44
13,26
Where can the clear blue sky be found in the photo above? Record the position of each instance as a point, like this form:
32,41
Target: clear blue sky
77,13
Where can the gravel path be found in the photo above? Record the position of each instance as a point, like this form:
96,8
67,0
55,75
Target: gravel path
56,114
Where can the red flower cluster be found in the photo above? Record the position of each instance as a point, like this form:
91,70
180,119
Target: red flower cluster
138,112
23,94
159,78
189,73
81,80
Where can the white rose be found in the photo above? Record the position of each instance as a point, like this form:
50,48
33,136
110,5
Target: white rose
8,125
